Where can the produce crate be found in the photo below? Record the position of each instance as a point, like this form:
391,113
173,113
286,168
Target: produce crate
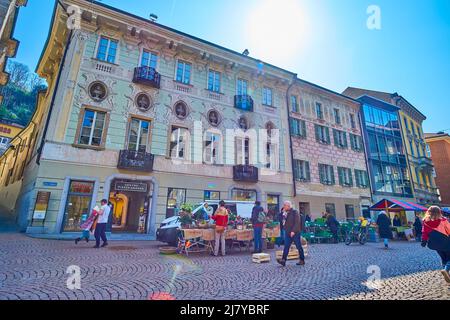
230,234
209,234
192,233
293,253
261,258
244,235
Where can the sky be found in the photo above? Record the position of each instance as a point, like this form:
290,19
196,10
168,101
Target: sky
327,42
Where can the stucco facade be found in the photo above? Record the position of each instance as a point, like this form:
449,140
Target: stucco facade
62,158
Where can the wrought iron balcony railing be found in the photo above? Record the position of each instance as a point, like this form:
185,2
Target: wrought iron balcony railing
243,102
245,173
147,76
136,161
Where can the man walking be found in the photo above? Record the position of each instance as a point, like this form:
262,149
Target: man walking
293,229
258,219
100,230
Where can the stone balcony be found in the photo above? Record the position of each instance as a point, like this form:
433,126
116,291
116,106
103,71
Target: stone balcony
135,161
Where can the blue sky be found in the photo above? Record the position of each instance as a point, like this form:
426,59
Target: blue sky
324,41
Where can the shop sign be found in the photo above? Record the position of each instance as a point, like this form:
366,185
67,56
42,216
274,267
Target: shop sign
41,206
131,187
50,184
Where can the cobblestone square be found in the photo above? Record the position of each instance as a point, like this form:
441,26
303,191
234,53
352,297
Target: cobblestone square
36,269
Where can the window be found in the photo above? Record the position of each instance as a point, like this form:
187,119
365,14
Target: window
242,151
267,96
107,50
330,208
78,205
349,211
301,171
214,81
243,195
337,116
211,195
406,125
178,143
319,111
175,199
362,179
326,174
91,133
212,148
428,150
322,134
273,205
298,128
294,104
271,153
242,87
138,136
352,121
345,177
340,139
183,72
356,143
149,59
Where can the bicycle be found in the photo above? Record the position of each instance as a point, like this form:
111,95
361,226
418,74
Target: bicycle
357,234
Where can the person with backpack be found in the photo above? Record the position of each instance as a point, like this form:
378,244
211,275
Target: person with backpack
435,235
221,219
258,220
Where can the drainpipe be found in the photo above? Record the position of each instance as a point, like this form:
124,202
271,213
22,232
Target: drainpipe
52,104
290,136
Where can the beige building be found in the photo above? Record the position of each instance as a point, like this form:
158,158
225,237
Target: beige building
330,172
9,9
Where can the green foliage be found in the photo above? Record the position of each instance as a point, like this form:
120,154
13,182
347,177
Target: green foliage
19,95
187,207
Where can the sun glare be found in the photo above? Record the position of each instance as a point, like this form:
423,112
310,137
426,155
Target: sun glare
277,31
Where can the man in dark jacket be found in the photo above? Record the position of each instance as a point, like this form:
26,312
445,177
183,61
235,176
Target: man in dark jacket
418,227
333,225
258,217
384,228
293,228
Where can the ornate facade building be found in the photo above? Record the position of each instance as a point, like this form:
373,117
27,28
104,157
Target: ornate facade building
330,172
149,118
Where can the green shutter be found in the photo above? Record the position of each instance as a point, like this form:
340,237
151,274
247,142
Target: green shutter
336,139
307,171
360,147
344,136
327,130
291,126
303,128
341,176
296,173
316,128
321,173
333,181
357,178
350,174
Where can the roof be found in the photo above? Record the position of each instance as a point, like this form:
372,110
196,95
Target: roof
330,91
384,96
393,205
186,35
365,99
436,135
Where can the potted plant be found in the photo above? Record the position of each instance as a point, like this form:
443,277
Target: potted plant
186,215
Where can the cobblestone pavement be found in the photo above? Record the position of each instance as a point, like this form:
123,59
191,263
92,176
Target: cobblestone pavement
36,269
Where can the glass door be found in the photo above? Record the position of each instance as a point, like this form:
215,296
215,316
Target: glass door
78,205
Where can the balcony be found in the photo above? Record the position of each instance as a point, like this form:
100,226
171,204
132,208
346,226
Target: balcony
245,173
147,76
243,102
424,162
136,161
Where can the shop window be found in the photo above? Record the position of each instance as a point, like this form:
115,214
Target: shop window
78,205
349,212
175,199
273,205
243,195
211,195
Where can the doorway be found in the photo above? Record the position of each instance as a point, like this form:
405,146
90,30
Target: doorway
130,202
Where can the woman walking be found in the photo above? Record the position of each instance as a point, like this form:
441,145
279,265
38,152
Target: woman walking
384,228
435,234
221,219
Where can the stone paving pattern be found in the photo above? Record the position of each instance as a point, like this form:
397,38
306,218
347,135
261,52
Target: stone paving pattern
36,269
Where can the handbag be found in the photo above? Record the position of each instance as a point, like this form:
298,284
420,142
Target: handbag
220,229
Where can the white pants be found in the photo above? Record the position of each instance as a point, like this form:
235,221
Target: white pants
220,241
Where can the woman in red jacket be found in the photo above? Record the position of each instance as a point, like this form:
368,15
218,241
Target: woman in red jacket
221,218
435,222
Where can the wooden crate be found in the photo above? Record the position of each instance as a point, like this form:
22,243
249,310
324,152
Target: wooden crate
261,258
230,234
209,234
192,233
272,233
293,253
244,235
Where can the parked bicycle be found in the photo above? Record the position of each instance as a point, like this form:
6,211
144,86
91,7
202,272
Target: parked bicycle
357,234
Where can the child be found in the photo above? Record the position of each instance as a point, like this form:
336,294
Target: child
89,225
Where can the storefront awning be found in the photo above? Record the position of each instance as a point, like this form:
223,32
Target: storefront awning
394,205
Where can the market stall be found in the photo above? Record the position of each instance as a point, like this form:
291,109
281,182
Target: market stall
404,210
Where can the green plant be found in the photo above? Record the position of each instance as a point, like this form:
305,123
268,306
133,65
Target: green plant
187,207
